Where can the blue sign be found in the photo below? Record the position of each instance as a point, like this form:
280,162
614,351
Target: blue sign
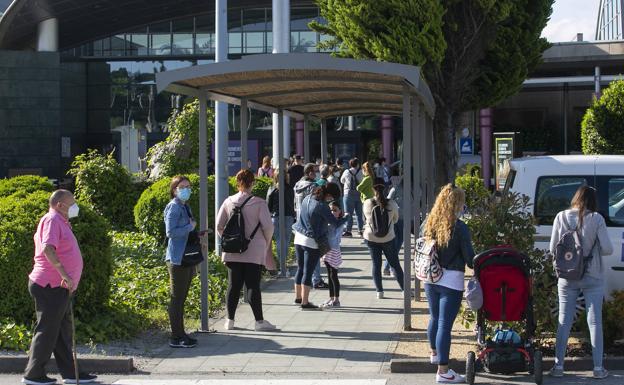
465,146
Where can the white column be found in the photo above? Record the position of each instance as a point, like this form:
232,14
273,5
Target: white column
306,139
48,36
281,44
407,208
351,123
244,122
283,246
221,127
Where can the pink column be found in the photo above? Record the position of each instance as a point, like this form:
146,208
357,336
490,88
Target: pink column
299,137
485,122
387,138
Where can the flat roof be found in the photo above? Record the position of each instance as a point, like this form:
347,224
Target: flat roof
306,84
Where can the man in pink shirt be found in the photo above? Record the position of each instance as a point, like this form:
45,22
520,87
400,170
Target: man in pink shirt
52,283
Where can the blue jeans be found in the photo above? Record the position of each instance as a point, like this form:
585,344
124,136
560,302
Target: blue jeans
444,305
288,221
316,274
307,259
593,289
388,249
352,203
398,238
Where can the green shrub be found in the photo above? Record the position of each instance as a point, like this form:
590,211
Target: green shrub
612,315
14,336
601,129
260,188
149,210
24,184
106,186
18,222
474,188
141,281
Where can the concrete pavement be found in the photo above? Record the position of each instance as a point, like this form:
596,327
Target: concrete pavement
358,337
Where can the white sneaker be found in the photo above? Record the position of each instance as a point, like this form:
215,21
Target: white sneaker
380,295
264,325
229,324
434,359
450,377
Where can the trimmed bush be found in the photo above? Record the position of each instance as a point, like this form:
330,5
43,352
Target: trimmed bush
24,185
106,186
18,222
474,188
149,210
601,129
260,188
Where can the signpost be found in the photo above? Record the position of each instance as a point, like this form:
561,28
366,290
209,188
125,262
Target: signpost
505,148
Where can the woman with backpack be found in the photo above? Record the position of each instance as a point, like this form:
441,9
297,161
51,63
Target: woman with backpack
455,252
266,170
311,238
591,231
245,267
381,214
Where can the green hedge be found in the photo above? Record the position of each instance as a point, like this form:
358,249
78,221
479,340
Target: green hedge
18,222
24,185
601,129
106,186
260,188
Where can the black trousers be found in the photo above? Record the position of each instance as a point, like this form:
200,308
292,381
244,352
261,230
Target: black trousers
334,283
53,331
248,274
180,278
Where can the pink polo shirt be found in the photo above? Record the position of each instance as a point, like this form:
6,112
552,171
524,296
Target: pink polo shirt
55,230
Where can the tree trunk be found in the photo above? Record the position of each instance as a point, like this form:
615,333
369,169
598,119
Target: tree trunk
444,148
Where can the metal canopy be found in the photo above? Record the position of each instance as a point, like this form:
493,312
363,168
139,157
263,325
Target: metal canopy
317,85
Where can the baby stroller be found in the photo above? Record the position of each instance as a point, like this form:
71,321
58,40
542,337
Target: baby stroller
505,278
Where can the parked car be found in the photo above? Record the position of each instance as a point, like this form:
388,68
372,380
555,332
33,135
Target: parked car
551,181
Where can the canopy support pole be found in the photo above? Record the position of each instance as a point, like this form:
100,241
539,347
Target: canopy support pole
418,129
323,141
203,207
407,208
306,142
283,245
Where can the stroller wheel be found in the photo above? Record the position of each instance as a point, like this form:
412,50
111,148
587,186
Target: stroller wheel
470,368
538,370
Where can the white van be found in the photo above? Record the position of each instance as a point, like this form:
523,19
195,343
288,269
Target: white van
551,181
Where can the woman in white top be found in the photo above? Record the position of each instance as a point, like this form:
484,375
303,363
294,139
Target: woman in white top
378,243
595,243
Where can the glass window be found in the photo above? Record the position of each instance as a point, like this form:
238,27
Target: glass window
118,45
160,39
616,200
204,38
138,44
303,41
554,194
182,37
235,42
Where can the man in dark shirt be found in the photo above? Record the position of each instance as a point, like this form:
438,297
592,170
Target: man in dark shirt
295,172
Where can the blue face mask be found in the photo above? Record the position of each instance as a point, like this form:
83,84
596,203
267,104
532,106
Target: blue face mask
184,193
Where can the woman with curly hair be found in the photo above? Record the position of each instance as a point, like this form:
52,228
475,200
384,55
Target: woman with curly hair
454,252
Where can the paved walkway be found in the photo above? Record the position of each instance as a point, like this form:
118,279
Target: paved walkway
358,337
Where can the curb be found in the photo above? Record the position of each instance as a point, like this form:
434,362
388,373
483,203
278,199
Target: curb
422,365
17,364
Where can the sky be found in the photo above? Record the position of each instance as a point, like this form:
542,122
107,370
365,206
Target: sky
570,17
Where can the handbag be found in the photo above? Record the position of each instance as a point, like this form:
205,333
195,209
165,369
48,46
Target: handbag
193,254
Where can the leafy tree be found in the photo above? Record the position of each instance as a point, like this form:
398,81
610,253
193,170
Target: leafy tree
601,130
474,53
179,153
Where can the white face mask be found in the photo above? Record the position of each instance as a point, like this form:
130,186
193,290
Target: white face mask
73,211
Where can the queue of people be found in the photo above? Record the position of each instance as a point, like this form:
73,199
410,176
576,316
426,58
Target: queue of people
319,212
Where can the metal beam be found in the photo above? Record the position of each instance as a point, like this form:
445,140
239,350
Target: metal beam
407,208
306,141
217,87
345,100
251,104
324,141
323,90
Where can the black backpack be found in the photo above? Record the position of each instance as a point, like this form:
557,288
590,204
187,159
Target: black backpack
380,221
233,239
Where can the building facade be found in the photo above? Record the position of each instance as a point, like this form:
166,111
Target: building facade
610,24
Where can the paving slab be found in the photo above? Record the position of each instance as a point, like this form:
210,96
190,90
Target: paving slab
359,336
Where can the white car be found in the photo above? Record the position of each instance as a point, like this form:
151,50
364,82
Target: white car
551,181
